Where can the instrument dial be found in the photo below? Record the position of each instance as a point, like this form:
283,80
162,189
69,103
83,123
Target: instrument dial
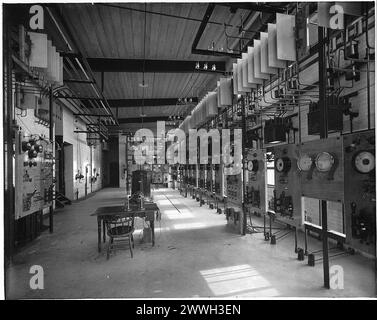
283,164
304,162
252,165
364,162
324,161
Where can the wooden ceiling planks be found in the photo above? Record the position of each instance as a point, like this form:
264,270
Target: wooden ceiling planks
134,112
168,85
108,32
119,33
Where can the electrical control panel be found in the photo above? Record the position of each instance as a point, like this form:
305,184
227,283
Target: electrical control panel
255,181
218,180
234,189
201,176
286,200
320,166
234,211
191,175
360,190
209,182
34,183
195,172
158,172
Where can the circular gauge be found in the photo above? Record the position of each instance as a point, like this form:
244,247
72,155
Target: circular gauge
304,162
324,161
32,153
26,146
364,162
252,165
283,164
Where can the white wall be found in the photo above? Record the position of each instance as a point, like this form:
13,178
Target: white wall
85,158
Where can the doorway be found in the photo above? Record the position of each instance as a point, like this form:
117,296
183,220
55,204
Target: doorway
114,175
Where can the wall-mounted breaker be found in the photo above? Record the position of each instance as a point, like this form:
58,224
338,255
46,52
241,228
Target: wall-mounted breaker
35,185
255,181
360,190
286,201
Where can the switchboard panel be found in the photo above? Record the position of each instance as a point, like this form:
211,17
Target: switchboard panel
160,173
255,181
234,210
234,189
218,180
34,183
320,166
201,176
208,174
192,174
286,202
360,190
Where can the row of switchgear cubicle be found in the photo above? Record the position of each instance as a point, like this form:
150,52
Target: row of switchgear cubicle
292,173
285,184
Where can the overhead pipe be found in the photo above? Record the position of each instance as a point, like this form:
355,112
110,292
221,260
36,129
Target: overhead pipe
70,36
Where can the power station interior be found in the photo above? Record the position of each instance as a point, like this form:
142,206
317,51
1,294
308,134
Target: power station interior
189,150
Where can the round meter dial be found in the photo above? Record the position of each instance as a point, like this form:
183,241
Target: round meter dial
364,162
304,162
252,165
283,164
324,161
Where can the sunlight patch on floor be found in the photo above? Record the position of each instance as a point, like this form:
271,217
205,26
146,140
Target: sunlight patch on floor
175,214
239,280
163,202
197,225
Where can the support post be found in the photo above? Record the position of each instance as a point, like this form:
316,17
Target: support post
52,140
9,204
244,155
323,135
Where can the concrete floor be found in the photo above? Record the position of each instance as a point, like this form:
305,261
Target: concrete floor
196,255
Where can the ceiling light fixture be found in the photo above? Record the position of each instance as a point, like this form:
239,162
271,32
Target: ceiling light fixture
143,84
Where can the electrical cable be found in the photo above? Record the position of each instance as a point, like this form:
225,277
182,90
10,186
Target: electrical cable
172,16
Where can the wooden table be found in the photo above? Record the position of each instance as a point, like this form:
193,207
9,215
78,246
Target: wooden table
148,213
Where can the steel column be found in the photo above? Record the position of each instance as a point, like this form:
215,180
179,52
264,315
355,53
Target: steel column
52,140
9,205
323,135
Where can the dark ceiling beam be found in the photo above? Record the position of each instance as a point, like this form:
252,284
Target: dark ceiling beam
279,7
233,6
143,119
127,103
158,66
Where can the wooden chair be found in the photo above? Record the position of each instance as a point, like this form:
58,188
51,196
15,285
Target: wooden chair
120,232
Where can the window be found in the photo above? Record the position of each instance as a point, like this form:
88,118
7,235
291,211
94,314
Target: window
270,176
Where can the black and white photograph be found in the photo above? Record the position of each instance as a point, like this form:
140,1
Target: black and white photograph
205,152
